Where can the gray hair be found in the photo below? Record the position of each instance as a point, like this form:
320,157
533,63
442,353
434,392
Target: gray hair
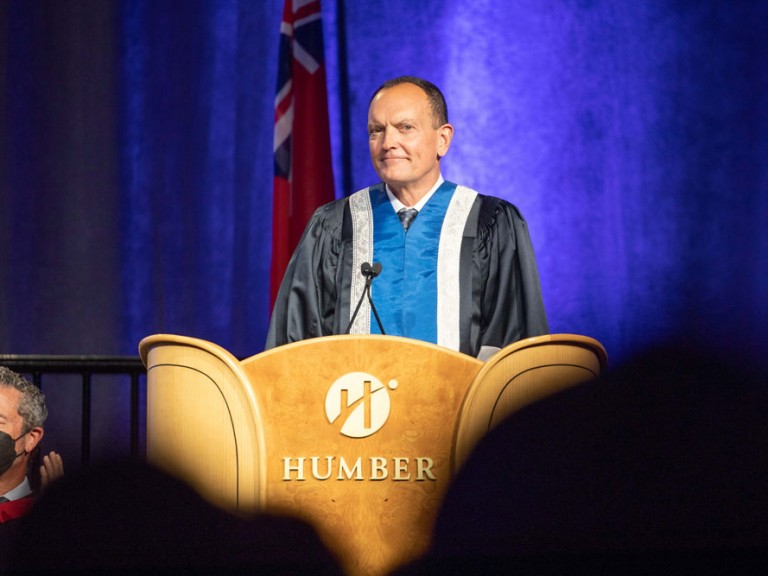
31,406
436,98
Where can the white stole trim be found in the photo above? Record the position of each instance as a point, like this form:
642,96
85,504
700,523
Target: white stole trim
448,268
362,251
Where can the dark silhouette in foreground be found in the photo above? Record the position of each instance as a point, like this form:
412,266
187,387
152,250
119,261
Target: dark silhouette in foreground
131,518
659,467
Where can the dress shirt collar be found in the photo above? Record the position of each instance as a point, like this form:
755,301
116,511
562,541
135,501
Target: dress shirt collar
397,205
21,491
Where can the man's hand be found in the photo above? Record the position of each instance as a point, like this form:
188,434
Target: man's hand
51,470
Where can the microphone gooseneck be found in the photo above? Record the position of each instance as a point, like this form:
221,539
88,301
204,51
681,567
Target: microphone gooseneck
369,272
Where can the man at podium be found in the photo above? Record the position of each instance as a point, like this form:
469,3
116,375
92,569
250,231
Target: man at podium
442,263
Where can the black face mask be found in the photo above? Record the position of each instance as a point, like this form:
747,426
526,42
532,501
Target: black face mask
8,451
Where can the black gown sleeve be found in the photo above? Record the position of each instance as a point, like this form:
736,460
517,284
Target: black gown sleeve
309,301
507,291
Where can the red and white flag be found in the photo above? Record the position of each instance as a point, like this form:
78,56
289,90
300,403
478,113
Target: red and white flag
303,178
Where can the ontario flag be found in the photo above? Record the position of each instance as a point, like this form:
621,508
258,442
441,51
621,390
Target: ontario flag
303,177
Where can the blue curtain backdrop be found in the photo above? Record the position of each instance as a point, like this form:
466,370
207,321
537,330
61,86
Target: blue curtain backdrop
136,159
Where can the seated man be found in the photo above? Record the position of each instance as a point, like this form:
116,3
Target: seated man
22,415
457,267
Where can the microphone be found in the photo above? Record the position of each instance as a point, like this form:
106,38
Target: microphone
369,272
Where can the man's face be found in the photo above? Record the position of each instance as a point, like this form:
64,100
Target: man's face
405,146
10,420
12,424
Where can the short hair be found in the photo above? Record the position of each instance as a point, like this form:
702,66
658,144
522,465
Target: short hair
31,406
436,98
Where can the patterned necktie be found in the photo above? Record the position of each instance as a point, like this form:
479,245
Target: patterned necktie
406,216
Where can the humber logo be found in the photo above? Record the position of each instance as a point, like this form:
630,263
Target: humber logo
359,405
360,402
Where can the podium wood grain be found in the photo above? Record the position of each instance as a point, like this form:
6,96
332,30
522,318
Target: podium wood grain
227,427
372,524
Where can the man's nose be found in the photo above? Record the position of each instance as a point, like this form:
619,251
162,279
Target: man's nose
388,137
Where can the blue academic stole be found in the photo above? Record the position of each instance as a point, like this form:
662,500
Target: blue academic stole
405,294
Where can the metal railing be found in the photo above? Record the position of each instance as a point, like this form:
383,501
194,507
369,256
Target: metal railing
38,367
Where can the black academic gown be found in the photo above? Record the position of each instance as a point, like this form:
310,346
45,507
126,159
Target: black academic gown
500,294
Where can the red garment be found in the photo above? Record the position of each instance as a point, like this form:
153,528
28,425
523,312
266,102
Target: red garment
15,508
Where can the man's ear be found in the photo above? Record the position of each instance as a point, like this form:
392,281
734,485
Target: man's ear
444,137
32,438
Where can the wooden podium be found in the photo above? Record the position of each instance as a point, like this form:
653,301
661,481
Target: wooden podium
358,435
